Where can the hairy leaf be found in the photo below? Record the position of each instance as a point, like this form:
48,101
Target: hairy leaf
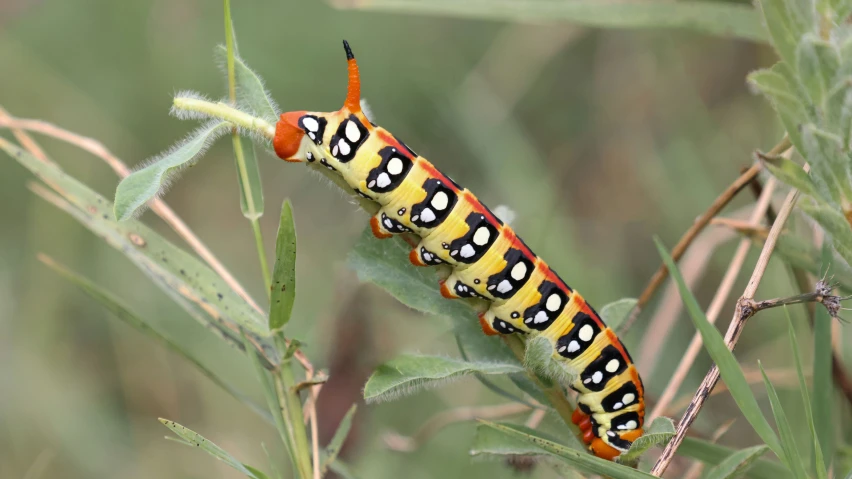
614,313
145,184
775,85
252,96
406,374
657,434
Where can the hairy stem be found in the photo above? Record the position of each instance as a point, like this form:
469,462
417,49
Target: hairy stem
225,112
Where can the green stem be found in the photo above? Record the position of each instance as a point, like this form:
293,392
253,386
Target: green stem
553,392
291,410
226,112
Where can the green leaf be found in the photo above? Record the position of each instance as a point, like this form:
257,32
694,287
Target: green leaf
188,281
792,174
333,448
252,97
195,439
714,454
834,223
248,173
713,18
729,369
581,460
818,460
823,382
614,313
788,439
122,312
782,20
737,463
385,263
284,273
776,86
491,441
817,62
657,434
406,374
829,163
144,184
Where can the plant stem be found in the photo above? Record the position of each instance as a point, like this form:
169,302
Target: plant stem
291,411
264,264
225,112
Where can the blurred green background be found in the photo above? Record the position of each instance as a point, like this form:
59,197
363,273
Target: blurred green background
598,140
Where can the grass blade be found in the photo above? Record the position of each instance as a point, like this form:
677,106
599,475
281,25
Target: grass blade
714,18
195,439
729,369
283,293
581,460
178,273
142,185
788,440
737,463
823,383
818,460
122,312
407,374
714,454
337,440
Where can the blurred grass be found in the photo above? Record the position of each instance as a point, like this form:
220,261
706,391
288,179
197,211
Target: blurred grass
614,136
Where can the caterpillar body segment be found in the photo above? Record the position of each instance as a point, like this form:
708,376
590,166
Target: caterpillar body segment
482,256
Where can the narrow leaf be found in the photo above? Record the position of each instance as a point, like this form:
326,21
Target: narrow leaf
284,272
791,173
776,86
823,382
819,463
788,439
729,369
178,273
144,184
834,223
248,173
737,463
657,434
252,96
778,21
209,447
714,454
581,460
406,374
721,19
613,314
829,163
494,442
333,448
122,312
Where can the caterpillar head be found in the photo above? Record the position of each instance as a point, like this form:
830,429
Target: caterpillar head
299,132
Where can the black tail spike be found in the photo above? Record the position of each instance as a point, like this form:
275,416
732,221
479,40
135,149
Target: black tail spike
349,55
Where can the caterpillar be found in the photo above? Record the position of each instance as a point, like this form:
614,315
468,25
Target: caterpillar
482,256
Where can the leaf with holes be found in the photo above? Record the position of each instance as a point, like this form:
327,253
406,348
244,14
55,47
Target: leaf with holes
192,438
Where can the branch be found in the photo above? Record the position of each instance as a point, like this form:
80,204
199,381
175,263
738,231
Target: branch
742,313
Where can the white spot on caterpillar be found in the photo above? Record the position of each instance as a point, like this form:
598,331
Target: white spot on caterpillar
427,215
383,180
415,217
586,333
467,251
610,434
573,346
597,377
395,166
480,238
388,223
617,406
519,271
541,317
612,365
312,135
628,398
353,134
311,124
631,425
440,201
561,349
371,184
553,302
502,324
334,151
427,256
504,286
344,147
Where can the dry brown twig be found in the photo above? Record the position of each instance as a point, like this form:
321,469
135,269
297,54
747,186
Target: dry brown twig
722,293
742,313
718,204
